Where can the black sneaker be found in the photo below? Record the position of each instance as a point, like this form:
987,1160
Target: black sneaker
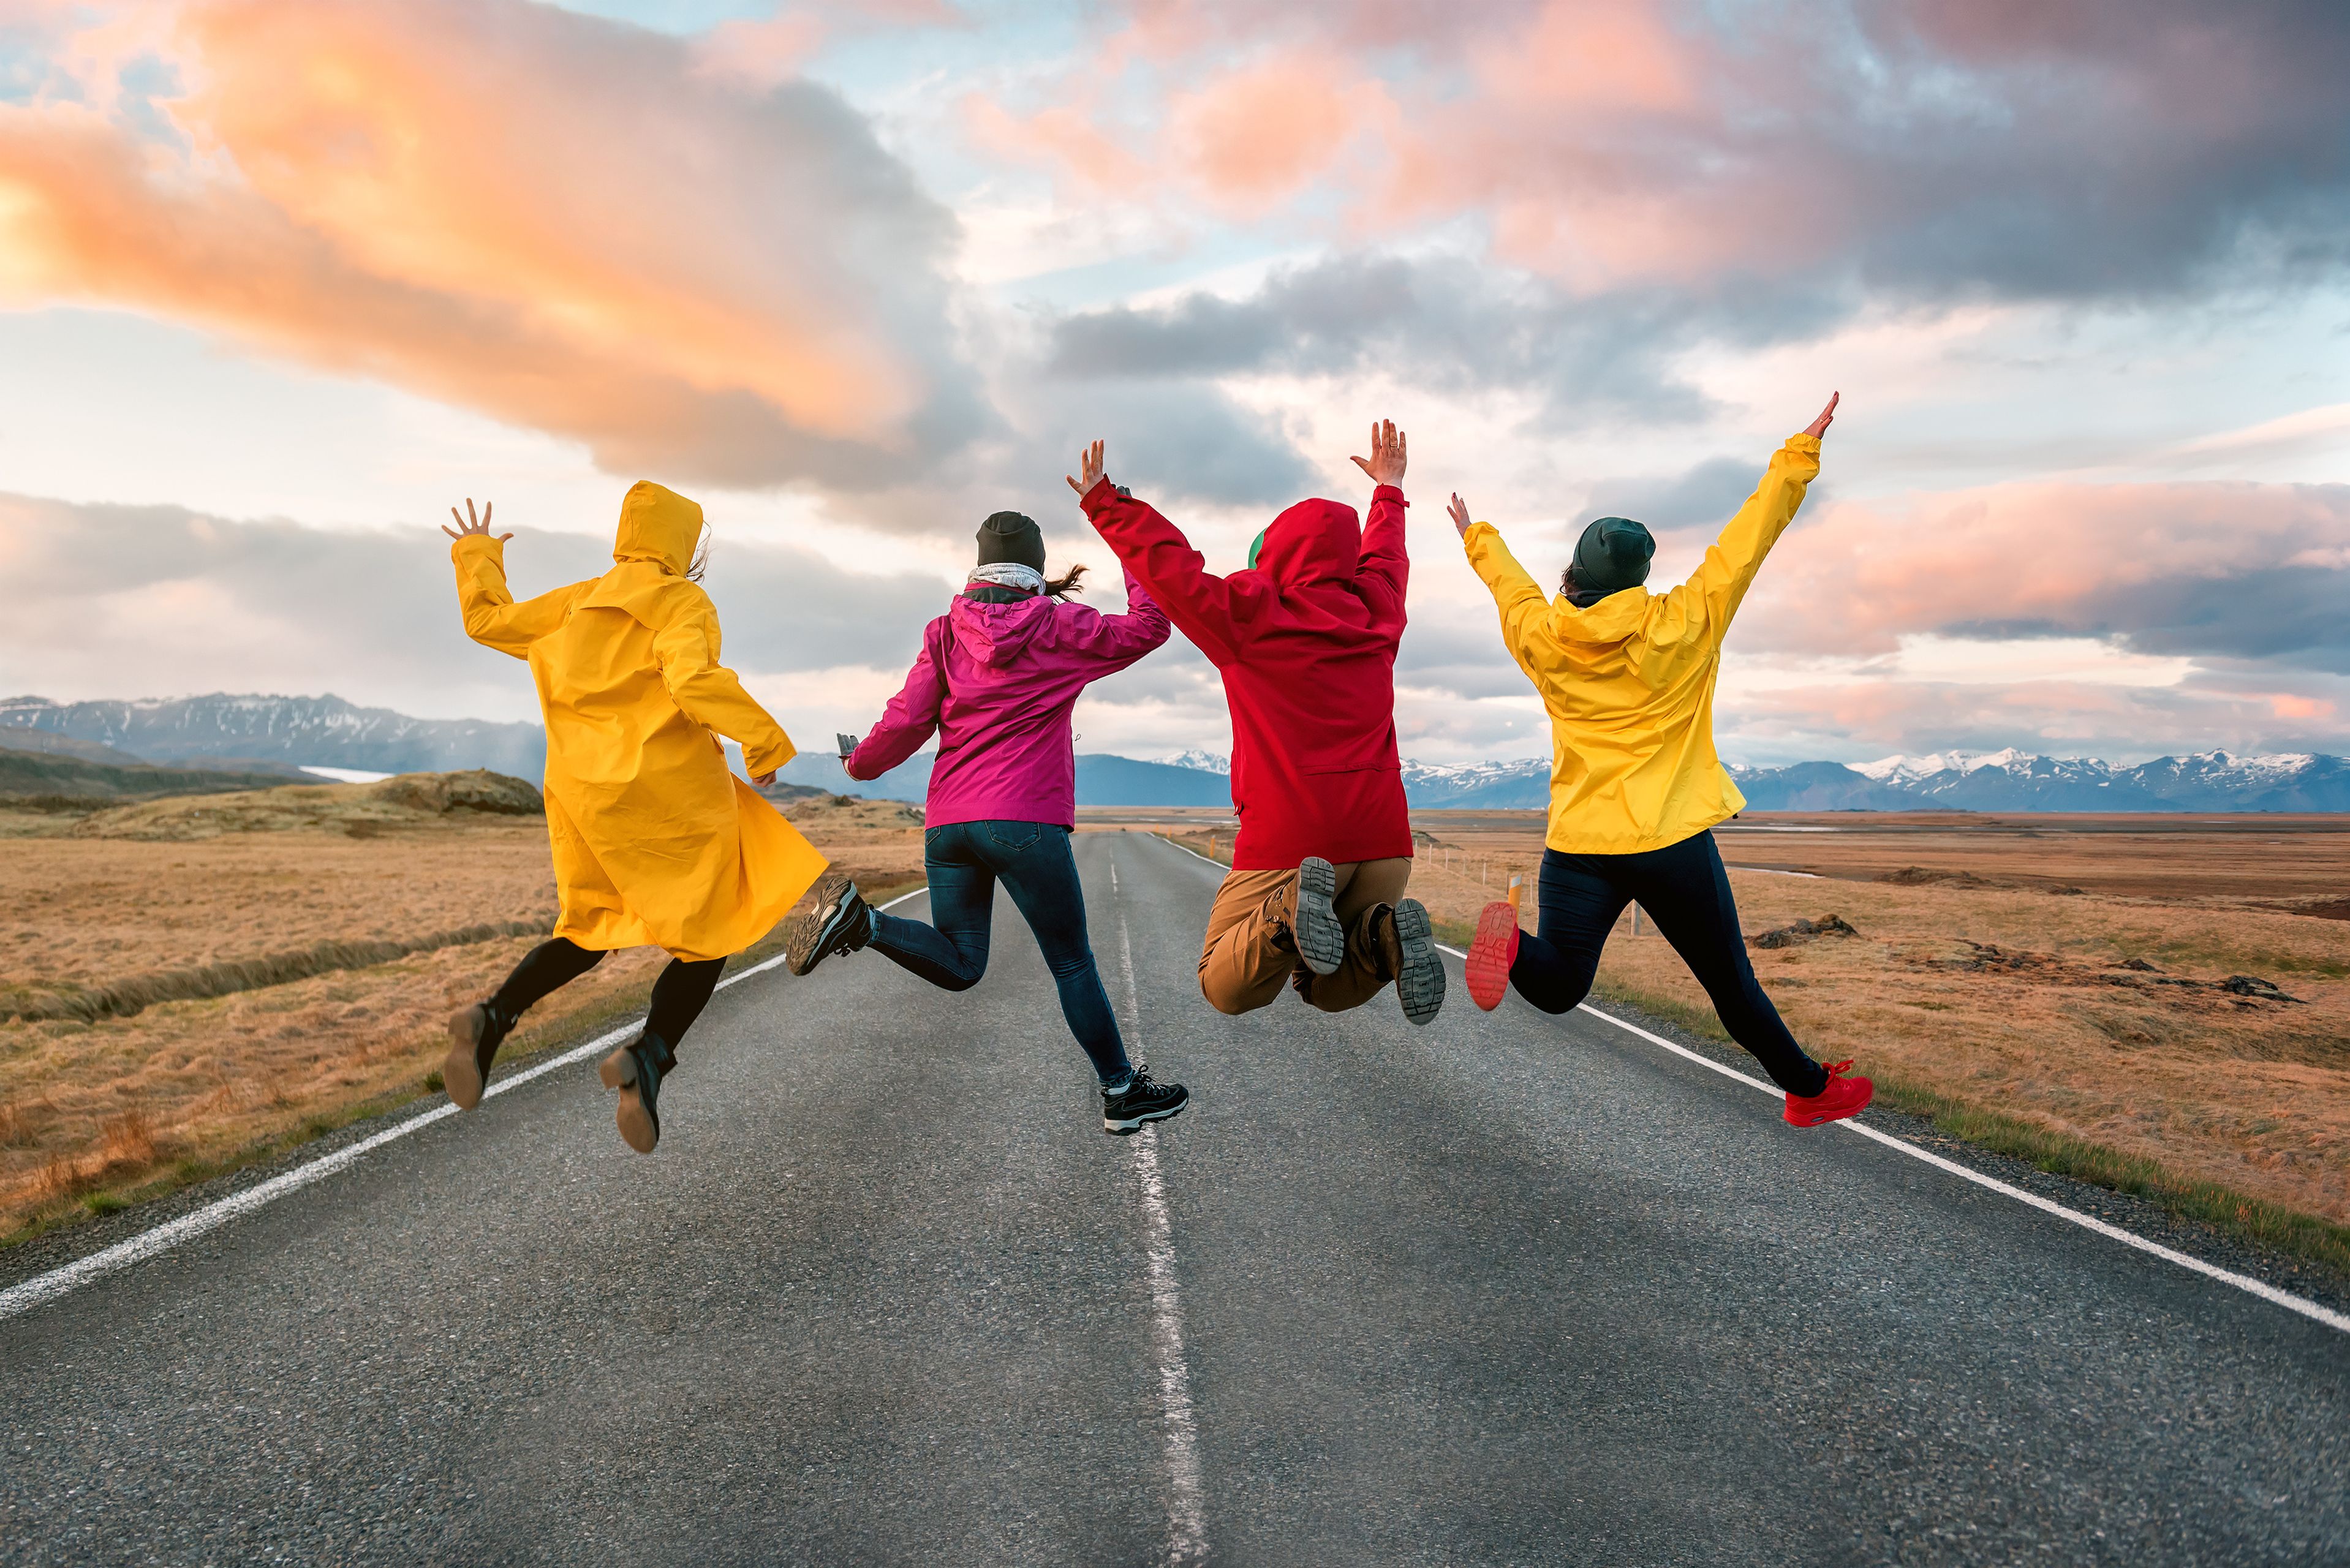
1419,978
1321,939
1143,1099
637,1070
836,920
475,1035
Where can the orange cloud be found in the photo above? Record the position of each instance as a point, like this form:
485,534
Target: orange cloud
545,217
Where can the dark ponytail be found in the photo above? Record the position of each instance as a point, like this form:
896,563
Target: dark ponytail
1065,586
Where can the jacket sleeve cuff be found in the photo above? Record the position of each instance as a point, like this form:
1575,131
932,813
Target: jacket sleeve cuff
477,543
1099,496
770,757
1390,492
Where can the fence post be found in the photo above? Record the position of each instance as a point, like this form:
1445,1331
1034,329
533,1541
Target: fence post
1517,892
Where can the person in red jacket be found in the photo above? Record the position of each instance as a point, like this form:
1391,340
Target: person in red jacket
1305,640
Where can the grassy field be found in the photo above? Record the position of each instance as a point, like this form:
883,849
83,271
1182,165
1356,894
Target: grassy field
191,984
2159,1006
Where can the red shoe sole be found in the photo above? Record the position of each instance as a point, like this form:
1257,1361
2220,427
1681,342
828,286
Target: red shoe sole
1490,955
1801,1113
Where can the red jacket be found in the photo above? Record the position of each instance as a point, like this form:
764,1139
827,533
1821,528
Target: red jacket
1306,644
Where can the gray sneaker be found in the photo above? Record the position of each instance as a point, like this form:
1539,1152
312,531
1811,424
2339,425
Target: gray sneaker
1321,939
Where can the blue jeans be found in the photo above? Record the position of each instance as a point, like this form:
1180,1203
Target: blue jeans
1686,891
1032,860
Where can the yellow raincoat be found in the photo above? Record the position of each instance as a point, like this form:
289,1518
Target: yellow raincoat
1628,683
656,841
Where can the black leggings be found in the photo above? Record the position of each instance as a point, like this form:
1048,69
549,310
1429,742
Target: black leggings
679,995
1686,891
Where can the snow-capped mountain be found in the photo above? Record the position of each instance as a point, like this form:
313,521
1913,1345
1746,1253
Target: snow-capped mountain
297,730
1205,761
1932,762
2014,780
1492,786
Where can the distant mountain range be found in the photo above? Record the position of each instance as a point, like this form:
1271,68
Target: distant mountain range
2018,781
1949,781
262,734
257,734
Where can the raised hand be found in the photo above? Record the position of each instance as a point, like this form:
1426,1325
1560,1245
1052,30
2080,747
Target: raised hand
1819,427
1385,465
468,523
1090,471
1459,513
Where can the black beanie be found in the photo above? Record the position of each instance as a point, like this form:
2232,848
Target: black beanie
1009,537
1613,555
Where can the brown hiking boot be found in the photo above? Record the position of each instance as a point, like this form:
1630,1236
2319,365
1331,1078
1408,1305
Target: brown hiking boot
637,1070
475,1034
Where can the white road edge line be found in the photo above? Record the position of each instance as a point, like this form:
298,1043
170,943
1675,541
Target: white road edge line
1191,852
1187,1528
2245,1282
41,1288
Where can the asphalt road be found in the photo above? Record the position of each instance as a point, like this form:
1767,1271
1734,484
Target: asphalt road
1507,1289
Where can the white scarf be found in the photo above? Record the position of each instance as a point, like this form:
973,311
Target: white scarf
1010,574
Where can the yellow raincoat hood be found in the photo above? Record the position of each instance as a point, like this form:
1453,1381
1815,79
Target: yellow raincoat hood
660,525
656,841
1628,683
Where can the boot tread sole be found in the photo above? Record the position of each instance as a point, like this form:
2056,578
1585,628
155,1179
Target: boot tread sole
1321,939
458,1075
1420,982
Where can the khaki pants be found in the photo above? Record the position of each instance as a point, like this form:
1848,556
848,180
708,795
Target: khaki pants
1248,954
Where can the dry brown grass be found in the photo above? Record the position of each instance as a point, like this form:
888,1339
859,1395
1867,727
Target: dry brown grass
2009,997
276,979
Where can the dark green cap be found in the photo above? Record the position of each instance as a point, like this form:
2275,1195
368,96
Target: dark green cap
1613,555
1010,536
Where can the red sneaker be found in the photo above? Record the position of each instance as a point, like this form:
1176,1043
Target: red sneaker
1490,955
1843,1097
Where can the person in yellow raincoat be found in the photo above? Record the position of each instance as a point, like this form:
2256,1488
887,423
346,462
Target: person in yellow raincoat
656,841
1627,677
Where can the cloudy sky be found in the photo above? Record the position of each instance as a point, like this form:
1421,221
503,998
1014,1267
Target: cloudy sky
281,279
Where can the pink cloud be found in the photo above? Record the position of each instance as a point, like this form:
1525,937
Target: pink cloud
1930,142
2125,559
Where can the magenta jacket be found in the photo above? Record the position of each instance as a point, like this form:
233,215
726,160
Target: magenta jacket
997,682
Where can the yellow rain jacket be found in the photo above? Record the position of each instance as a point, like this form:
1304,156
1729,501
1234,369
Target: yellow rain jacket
1628,683
656,841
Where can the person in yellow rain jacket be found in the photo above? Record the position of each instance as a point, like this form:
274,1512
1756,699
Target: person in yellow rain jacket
1627,678
656,841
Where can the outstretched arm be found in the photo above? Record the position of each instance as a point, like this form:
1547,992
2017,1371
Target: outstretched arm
707,692
1526,626
1118,640
1385,569
1205,606
492,618
910,719
1731,562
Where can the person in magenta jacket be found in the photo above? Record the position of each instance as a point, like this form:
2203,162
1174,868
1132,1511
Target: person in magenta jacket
995,681
1305,641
